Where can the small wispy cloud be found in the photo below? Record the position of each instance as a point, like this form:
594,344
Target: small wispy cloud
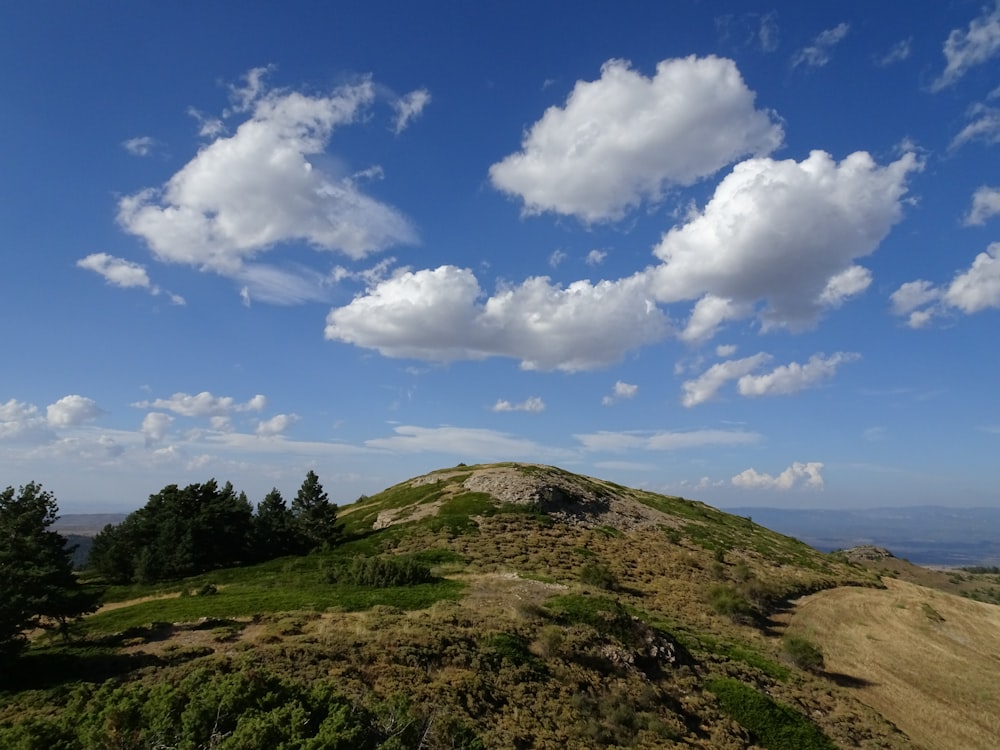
124,274
533,404
408,108
985,205
964,50
818,53
622,390
140,146
898,52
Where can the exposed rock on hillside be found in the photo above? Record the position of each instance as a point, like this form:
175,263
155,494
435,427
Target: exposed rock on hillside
867,552
566,497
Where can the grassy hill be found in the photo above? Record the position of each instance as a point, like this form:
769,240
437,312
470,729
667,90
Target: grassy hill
493,606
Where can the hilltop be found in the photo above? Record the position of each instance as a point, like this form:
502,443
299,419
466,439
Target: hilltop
490,606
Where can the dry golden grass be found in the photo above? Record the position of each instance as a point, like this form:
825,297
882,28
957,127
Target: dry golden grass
925,659
107,607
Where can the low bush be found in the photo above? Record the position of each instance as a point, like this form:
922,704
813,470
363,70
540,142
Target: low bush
803,653
598,574
729,601
384,572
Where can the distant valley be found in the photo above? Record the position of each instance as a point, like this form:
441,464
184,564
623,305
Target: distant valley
924,535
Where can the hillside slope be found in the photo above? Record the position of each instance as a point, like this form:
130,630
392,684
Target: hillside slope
563,612
925,659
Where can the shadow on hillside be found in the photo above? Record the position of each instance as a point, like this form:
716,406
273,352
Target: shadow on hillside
91,660
847,681
46,669
772,625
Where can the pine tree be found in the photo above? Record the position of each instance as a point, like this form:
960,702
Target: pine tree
275,531
315,516
37,585
178,533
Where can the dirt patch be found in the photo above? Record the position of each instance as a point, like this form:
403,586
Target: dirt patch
139,600
406,514
507,590
925,659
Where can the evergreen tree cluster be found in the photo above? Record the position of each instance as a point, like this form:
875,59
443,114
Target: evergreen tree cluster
186,531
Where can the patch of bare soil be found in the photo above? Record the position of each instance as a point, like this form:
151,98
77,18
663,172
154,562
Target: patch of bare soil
406,514
506,590
925,659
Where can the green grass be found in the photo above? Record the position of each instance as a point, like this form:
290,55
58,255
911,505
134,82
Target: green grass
455,515
740,653
772,725
246,601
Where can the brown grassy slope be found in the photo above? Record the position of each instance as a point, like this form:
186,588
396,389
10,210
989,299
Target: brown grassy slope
925,659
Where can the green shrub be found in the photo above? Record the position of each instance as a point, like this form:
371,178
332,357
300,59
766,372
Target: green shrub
729,601
208,589
599,574
772,725
803,653
384,572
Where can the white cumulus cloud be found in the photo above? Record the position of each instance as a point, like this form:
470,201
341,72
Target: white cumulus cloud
438,315
794,377
155,426
978,288
708,314
245,193
276,425
784,234
705,386
72,410
624,138
970,291
965,49
796,475
20,421
203,404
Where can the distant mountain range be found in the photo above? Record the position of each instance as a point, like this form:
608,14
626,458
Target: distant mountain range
924,535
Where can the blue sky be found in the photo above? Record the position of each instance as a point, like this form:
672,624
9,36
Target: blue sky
746,253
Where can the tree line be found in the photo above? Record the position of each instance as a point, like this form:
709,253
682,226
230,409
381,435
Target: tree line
178,533
185,531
